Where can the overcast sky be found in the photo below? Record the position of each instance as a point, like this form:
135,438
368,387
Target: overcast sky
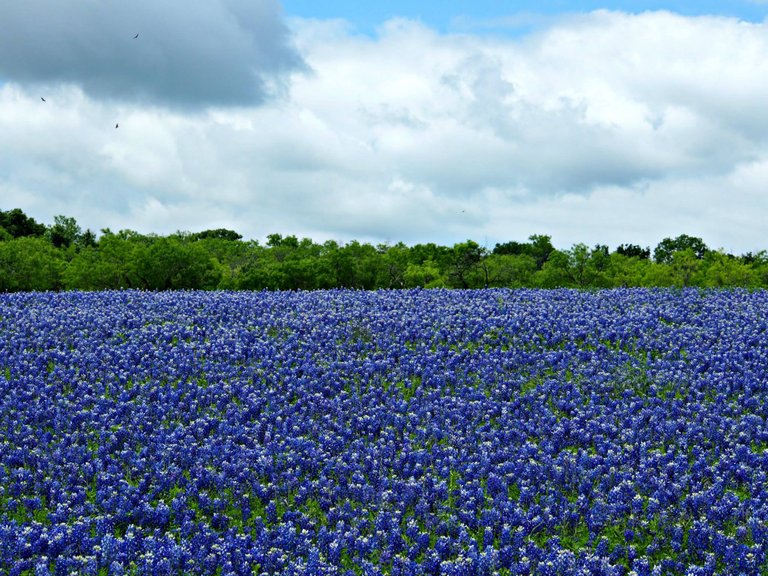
421,122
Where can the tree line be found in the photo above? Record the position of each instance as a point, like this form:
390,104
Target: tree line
62,256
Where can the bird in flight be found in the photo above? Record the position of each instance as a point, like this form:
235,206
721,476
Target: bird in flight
116,125
137,35
41,98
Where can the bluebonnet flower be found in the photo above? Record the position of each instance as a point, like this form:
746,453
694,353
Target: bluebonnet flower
235,430
42,567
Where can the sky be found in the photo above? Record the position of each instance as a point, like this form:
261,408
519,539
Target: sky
400,121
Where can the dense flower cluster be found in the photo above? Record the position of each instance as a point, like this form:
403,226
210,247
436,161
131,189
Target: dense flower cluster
403,433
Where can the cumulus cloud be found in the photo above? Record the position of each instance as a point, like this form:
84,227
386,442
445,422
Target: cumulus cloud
214,52
600,99
603,127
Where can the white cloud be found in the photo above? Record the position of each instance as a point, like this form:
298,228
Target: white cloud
604,127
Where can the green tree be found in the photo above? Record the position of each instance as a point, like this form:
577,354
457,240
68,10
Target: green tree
658,275
466,260
508,270
540,248
277,240
394,263
724,270
554,273
217,234
218,258
111,264
263,273
19,225
65,232
117,265
424,275
362,265
87,239
626,271
634,251
442,256
169,264
230,257
29,263
685,267
303,267
578,267
758,264
511,248
666,249
85,272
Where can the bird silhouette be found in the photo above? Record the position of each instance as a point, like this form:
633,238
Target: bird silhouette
116,125
137,35
43,99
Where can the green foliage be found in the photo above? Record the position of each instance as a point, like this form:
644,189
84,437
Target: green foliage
668,247
29,263
394,262
538,247
64,232
62,256
217,234
454,478
168,264
506,270
685,268
314,512
723,270
408,389
19,225
424,275
554,273
466,260
625,271
633,251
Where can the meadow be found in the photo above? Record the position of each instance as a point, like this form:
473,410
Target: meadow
414,432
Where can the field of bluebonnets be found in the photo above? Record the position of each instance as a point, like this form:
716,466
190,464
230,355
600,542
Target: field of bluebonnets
403,432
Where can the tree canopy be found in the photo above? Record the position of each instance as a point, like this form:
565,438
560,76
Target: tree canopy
62,256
